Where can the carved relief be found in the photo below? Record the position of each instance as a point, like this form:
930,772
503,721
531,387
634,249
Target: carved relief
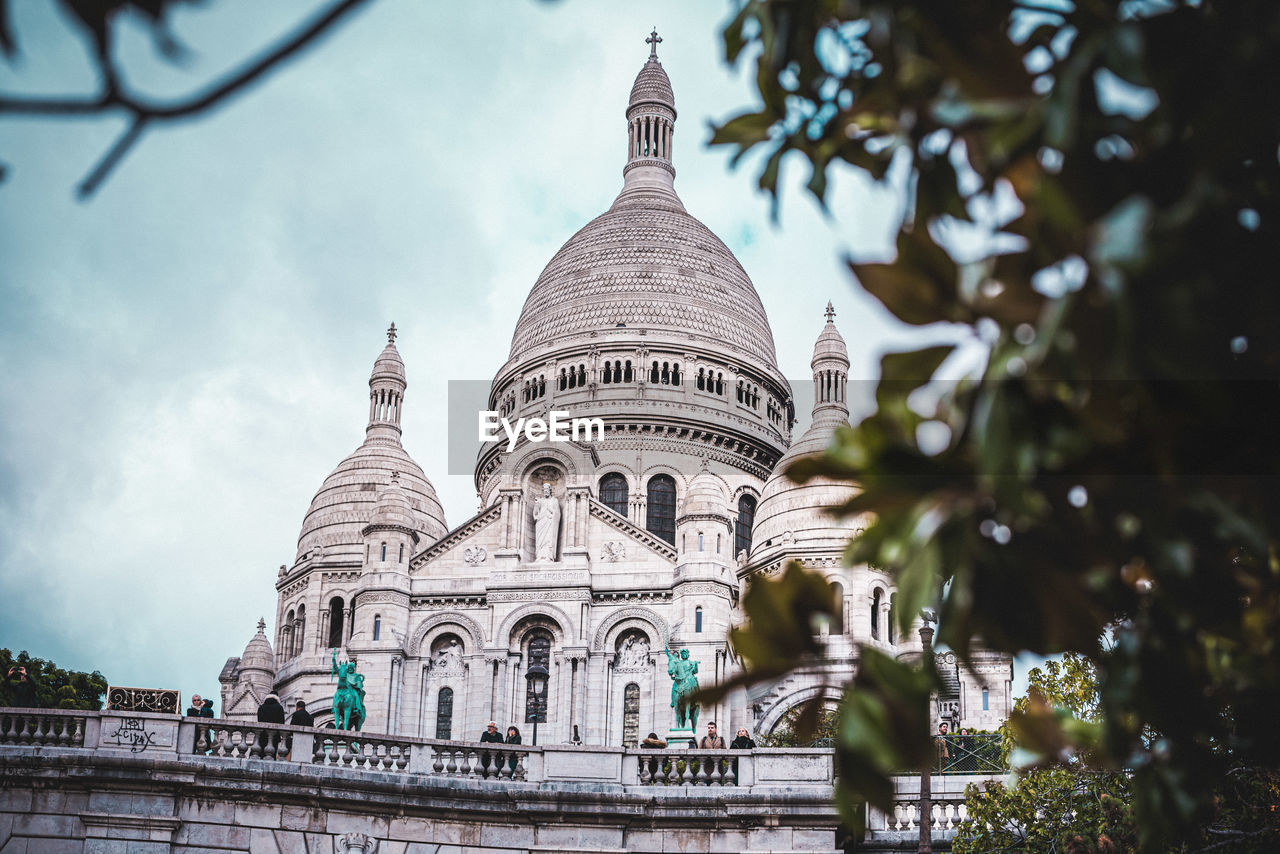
475,556
633,651
613,551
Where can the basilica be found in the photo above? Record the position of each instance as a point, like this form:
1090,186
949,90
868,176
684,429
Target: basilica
593,563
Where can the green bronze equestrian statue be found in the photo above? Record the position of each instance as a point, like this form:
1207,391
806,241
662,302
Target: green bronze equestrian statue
348,700
684,681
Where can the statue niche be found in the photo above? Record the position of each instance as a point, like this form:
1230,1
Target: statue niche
546,525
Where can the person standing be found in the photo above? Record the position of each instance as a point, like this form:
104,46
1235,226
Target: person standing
513,737
300,716
271,712
712,740
489,736
196,708
24,693
743,741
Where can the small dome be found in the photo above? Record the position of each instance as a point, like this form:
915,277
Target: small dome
388,364
705,495
258,654
830,345
652,86
393,507
347,499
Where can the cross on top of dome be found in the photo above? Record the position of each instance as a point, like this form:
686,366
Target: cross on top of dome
653,41
391,333
830,312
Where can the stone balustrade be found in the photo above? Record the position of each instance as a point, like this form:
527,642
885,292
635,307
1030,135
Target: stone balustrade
175,736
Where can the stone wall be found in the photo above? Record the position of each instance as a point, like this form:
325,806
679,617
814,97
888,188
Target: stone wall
123,783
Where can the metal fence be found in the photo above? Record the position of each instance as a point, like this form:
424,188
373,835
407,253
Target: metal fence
969,754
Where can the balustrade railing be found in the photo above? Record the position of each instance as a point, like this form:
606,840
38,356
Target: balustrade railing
174,736
944,815
53,728
361,750
689,768
487,762
241,740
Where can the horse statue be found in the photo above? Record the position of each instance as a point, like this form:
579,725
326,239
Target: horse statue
348,700
684,683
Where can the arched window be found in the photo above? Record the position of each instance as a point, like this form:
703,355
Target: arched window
582,375
666,373
986,700
377,627
542,386
701,382
675,374
719,383
631,715
742,528
302,630
837,590
401,558
653,374
661,517
335,621
539,653
564,383
444,714
286,635
893,617
384,552
697,619
875,615
617,371
614,493
627,375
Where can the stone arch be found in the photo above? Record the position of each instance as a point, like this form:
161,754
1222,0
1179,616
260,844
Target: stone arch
540,609
533,454
622,619
471,632
773,714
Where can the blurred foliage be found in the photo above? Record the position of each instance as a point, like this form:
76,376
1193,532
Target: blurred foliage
1110,468
55,688
789,733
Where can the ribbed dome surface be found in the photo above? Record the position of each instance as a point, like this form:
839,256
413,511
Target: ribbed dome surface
388,363
393,508
646,263
258,654
706,494
830,345
652,86
347,499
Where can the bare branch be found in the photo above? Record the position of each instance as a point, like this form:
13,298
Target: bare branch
144,112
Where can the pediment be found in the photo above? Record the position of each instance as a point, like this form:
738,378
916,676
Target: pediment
471,543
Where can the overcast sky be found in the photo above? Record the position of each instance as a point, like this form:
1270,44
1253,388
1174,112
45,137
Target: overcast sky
186,355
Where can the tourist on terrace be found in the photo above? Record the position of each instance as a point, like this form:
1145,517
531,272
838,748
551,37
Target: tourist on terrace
489,736
196,708
743,741
271,712
712,740
300,716
24,694
513,737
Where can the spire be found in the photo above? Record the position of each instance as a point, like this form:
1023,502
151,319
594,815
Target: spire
830,370
386,391
651,118
262,625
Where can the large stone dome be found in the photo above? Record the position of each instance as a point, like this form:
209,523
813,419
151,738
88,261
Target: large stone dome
646,263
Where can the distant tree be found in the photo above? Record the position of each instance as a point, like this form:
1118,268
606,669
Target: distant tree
792,731
1074,807
1112,466
99,23
55,688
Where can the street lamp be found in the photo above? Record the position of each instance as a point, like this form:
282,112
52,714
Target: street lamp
926,773
537,710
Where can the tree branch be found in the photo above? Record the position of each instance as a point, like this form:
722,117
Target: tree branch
143,112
